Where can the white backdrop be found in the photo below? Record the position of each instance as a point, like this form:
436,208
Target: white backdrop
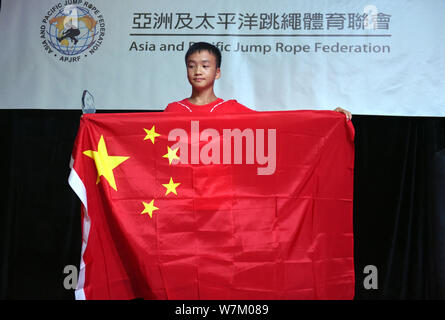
379,57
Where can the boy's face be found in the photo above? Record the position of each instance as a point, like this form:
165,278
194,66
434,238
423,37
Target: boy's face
201,70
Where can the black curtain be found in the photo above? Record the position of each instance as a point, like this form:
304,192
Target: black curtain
397,208
40,228
394,215
438,222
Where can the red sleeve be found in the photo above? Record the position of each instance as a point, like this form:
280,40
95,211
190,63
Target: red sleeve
170,107
175,107
242,108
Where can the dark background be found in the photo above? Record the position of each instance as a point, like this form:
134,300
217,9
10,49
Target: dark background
398,212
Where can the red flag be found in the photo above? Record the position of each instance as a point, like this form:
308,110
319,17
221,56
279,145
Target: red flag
248,206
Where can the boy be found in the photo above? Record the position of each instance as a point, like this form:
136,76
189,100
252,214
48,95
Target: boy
203,61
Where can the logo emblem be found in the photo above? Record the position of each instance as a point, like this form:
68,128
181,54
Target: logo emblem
72,31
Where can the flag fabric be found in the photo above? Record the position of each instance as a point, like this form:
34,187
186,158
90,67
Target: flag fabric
228,206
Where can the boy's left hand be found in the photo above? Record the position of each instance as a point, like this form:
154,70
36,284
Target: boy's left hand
346,112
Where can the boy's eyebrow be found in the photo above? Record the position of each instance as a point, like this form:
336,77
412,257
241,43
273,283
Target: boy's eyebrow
203,60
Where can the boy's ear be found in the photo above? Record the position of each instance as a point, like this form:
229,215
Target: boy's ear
218,73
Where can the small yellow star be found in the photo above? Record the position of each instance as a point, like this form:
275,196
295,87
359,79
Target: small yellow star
149,208
105,163
171,155
151,134
171,186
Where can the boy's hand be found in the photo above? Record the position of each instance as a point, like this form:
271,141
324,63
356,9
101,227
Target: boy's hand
346,112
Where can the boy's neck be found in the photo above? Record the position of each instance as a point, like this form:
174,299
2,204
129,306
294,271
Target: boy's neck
202,97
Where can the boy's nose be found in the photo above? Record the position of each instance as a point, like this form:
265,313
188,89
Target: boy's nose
198,70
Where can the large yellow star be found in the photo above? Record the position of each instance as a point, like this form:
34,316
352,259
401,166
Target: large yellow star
171,186
149,207
151,134
105,163
171,154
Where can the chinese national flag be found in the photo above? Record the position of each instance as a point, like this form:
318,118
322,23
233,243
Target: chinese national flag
247,206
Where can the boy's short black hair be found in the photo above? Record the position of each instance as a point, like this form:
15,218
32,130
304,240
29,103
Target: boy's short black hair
199,46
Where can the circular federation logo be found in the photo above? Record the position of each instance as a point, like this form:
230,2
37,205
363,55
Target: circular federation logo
72,30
